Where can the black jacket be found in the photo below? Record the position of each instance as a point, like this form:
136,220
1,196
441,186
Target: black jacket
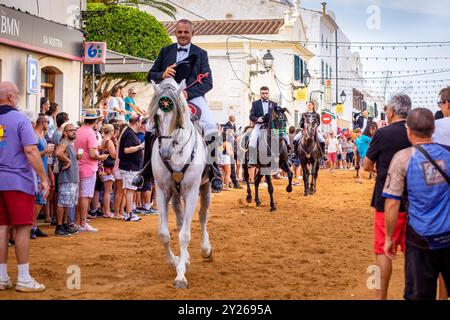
360,123
302,120
257,111
168,56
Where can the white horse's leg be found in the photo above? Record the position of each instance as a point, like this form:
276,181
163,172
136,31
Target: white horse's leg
164,234
178,208
205,201
190,199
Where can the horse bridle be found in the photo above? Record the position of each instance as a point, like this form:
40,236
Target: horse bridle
308,155
177,176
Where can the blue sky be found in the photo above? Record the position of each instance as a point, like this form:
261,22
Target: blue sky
401,20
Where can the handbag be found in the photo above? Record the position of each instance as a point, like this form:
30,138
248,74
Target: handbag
109,162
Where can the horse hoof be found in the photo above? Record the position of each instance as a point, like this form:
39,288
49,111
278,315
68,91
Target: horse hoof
249,199
273,209
208,256
311,192
289,189
258,203
306,194
181,284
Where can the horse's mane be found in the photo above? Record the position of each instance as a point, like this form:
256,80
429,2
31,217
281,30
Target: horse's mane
168,88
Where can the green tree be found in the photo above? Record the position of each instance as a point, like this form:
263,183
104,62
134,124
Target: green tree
162,6
126,30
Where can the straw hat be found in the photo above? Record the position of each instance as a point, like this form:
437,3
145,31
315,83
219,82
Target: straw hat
91,114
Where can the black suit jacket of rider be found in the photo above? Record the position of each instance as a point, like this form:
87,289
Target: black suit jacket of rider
257,111
168,56
302,120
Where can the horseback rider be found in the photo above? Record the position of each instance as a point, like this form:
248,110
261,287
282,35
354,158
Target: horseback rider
165,66
311,111
259,115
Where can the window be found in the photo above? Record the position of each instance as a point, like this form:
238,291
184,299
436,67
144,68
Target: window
299,69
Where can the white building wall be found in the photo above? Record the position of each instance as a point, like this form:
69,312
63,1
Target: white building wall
61,11
224,9
67,88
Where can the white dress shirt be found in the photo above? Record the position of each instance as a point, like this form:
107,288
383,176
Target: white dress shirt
181,55
265,107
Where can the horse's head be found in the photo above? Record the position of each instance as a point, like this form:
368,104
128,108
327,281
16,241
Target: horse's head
167,111
278,120
311,125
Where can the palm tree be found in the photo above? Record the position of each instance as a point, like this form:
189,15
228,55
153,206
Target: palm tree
160,5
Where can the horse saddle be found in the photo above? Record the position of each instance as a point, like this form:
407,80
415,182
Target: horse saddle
196,112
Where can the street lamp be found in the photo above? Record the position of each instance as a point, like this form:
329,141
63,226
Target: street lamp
343,96
267,62
306,81
307,78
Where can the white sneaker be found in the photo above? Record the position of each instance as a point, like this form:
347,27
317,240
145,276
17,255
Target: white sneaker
29,286
131,217
87,228
5,284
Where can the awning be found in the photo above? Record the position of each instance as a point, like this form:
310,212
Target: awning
117,62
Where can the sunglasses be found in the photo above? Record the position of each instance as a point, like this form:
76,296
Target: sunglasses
442,102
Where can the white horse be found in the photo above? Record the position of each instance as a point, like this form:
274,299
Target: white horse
179,161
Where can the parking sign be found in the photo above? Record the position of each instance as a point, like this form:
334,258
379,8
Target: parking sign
32,76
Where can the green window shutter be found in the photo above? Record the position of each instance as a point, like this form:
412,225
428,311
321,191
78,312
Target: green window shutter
297,67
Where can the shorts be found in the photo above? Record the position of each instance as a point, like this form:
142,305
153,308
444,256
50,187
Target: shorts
117,175
332,156
127,178
87,187
422,268
68,195
106,178
380,234
16,208
339,157
146,187
349,157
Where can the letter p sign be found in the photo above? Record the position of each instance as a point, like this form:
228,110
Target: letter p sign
32,76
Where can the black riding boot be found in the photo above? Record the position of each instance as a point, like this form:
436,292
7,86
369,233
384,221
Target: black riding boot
215,175
322,149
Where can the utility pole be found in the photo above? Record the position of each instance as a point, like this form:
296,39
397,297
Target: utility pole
337,68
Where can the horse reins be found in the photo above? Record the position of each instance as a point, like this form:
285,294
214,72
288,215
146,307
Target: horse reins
177,176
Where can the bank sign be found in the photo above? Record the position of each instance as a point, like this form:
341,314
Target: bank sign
22,30
94,52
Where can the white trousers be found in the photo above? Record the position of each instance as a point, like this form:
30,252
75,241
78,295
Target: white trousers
209,125
253,142
318,136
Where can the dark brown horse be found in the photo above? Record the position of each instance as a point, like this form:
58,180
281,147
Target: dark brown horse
275,156
308,151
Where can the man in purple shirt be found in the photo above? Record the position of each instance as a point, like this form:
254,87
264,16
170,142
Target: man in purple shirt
20,161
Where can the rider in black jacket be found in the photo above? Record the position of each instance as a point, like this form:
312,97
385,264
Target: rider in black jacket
311,110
